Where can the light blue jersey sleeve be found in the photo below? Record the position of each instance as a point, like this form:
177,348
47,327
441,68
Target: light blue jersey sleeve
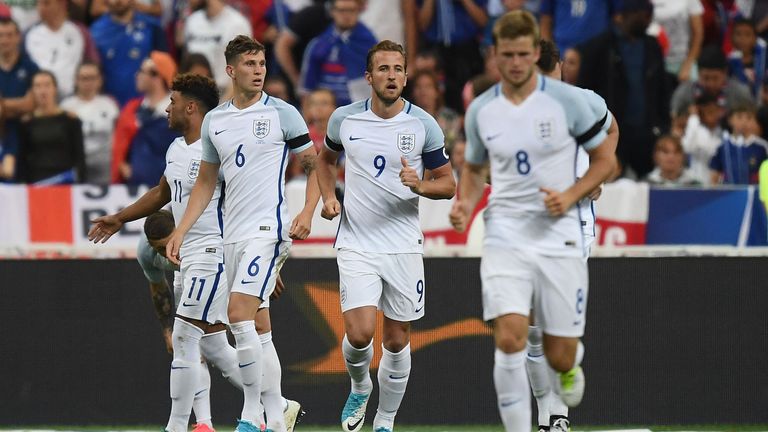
475,151
584,124
599,108
295,131
209,151
434,138
333,132
146,257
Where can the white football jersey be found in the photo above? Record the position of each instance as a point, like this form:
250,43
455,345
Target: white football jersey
60,52
182,166
531,146
379,213
252,145
586,205
210,36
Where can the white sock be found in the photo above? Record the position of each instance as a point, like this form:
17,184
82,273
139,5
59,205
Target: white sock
556,405
358,363
249,357
217,350
514,398
394,370
201,405
184,373
271,395
538,374
579,354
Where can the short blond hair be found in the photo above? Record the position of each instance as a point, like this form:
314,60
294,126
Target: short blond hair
515,24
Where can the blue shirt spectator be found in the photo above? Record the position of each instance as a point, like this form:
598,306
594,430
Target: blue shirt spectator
451,24
336,60
124,39
747,61
738,159
570,22
16,72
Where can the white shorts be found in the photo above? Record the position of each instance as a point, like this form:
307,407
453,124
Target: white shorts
205,292
554,287
252,266
394,283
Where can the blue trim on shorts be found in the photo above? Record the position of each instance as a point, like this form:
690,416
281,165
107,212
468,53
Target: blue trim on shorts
279,222
213,292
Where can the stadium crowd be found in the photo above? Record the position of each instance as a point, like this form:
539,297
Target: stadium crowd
85,83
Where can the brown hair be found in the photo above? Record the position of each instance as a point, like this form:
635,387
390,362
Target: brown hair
199,88
671,138
549,57
159,225
435,82
241,45
385,45
515,24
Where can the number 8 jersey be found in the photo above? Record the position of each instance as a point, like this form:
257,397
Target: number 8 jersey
379,213
531,146
252,145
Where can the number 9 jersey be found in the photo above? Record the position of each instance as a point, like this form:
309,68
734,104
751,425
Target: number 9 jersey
379,213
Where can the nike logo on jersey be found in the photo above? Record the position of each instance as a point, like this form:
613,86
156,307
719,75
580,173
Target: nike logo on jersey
170,162
493,137
419,309
245,365
398,377
244,282
353,426
218,132
506,404
351,138
179,367
187,305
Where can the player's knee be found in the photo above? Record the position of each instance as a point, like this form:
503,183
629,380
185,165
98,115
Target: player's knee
359,339
560,357
510,343
238,312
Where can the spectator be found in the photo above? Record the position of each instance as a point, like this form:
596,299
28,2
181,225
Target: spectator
682,23
571,66
762,112
737,160
59,45
747,61
303,26
124,39
336,59
625,66
427,60
320,106
428,96
716,18
569,23
51,139
670,164
757,11
142,135
277,87
713,79
453,29
395,21
16,71
24,13
480,83
197,64
156,8
208,30
97,114
703,134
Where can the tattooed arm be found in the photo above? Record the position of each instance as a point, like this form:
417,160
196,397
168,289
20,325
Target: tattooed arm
162,299
302,224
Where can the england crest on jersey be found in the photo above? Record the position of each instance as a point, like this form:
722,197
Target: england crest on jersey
545,129
261,128
194,168
406,142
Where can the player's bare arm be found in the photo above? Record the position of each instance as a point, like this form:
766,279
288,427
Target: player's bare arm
302,224
436,184
471,187
326,177
199,198
611,139
105,226
602,163
162,300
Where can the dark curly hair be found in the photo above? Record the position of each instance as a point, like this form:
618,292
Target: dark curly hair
159,225
201,89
